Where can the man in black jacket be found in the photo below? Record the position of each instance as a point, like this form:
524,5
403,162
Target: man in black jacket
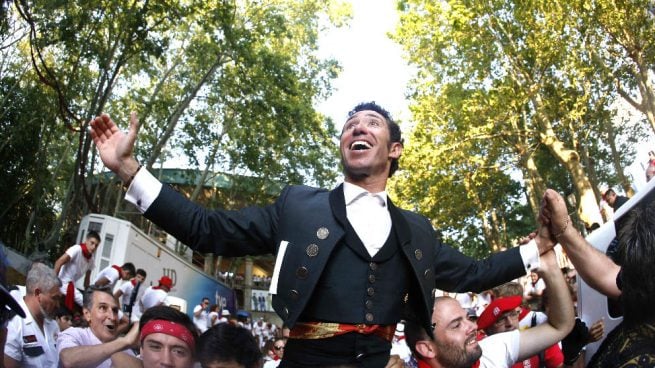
348,260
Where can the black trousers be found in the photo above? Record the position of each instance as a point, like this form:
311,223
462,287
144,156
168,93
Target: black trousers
347,350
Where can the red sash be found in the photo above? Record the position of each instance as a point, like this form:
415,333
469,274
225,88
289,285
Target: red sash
70,296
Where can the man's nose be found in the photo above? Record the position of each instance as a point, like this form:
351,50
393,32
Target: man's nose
167,358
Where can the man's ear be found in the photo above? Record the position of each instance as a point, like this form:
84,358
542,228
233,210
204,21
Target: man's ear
426,349
87,314
395,150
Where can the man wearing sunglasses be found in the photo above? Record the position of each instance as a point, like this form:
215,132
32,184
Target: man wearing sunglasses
278,353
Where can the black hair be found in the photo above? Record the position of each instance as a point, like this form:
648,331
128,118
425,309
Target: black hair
129,267
63,311
141,272
167,313
394,129
637,256
93,234
228,343
414,332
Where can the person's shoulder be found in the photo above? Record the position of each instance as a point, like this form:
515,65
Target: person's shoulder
71,333
74,249
303,189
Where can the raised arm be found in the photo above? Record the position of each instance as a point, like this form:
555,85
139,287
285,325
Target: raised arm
65,258
561,316
596,268
101,282
92,355
116,148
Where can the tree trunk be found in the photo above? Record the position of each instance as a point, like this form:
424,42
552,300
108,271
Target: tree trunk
177,114
616,160
588,209
490,236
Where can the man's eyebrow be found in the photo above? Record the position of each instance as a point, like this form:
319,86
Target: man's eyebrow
369,114
456,320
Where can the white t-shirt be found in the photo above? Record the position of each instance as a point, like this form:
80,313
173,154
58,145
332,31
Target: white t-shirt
76,267
126,290
111,274
213,319
28,345
200,322
500,350
526,322
539,286
152,297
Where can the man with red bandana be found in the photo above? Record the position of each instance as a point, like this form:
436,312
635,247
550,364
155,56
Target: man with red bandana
454,342
76,262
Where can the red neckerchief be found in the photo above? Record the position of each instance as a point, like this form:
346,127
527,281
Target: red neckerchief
133,281
117,268
422,363
85,251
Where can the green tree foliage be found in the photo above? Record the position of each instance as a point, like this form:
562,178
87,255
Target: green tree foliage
221,85
504,87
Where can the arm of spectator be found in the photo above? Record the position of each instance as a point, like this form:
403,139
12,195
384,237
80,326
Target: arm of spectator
596,331
101,282
124,360
395,362
87,279
561,316
598,270
9,362
85,356
65,258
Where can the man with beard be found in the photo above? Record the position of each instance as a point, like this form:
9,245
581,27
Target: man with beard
31,340
454,342
95,345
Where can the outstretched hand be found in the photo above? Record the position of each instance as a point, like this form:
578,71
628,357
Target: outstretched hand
554,213
116,148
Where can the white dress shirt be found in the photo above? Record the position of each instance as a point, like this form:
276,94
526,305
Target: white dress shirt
369,216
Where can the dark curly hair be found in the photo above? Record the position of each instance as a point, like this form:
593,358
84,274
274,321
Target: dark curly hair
228,343
637,257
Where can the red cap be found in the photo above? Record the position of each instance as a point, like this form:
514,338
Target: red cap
166,281
499,306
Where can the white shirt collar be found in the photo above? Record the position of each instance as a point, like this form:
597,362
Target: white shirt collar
352,192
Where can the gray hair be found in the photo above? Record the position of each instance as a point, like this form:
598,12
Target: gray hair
41,277
87,296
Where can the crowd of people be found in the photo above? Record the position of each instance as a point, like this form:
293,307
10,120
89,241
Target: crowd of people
349,266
